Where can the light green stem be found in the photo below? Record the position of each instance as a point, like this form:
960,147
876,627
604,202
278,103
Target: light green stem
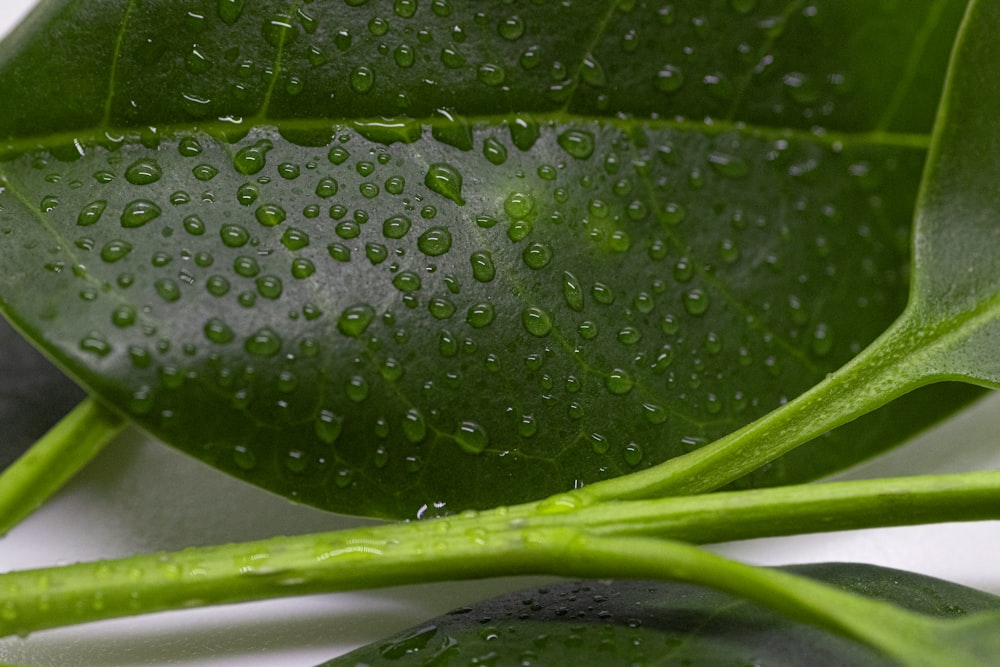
495,543
888,368
54,459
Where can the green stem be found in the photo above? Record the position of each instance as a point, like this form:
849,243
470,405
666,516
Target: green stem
54,459
500,542
913,639
885,370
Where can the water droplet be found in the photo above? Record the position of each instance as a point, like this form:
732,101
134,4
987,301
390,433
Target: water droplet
218,331
327,187
123,316
167,289
294,239
673,213
445,180
619,382
230,10
480,315
729,166
406,281
357,388
414,426
528,426
632,454
396,227
511,28
592,73
578,143
362,79
524,132
472,437
139,212
91,213
269,287
696,302
302,268
435,241
270,215
441,308
246,266
602,294
376,252
194,225
822,340
234,236
537,255
519,205
328,426
629,336
143,172
494,151
263,343
244,458
483,268
536,321
355,320
669,79
251,159
115,250
217,286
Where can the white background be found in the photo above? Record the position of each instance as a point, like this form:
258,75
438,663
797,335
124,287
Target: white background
141,496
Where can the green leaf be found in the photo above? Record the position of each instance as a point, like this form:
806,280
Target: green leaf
390,259
655,623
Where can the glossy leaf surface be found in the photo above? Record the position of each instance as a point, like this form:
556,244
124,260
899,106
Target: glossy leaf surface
388,256
656,623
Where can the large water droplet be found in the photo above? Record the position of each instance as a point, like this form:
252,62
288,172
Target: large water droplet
328,426
115,250
263,343
537,255
143,172
218,331
619,382
445,180
230,10
355,320
396,227
139,212
472,437
251,159
435,241
578,143
536,321
414,426
483,268
480,315
91,213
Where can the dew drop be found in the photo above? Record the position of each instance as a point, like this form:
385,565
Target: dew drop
115,250
123,316
494,151
270,215
406,281
435,241
294,239
251,159
445,180
229,10
396,227
244,458
619,382
143,172
669,79
696,302
91,213
527,427
328,426
483,268
578,143
263,343
168,289
572,291
480,315
376,253
354,320
218,331
472,437
362,79
139,212
234,236
414,426
269,287
524,132
356,389
536,321
441,308
519,205
537,255
632,454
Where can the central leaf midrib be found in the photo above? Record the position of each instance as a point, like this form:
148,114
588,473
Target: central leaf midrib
708,126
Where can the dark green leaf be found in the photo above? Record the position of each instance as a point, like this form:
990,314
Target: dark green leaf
655,623
378,261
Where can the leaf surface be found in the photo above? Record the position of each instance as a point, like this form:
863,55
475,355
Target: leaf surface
396,258
656,623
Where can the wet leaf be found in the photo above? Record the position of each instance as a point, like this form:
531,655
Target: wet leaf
398,258
656,623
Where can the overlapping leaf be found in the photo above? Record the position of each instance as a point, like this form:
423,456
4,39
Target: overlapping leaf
389,256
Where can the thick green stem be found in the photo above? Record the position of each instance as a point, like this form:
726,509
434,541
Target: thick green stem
911,638
887,369
54,459
496,543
